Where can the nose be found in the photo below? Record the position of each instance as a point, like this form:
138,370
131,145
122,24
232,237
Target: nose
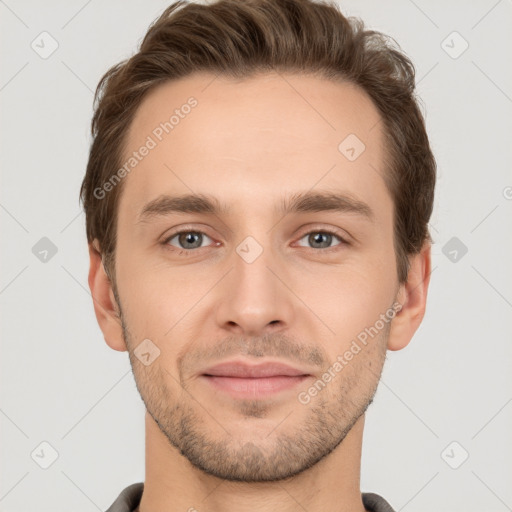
253,298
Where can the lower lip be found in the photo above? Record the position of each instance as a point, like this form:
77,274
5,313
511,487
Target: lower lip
252,387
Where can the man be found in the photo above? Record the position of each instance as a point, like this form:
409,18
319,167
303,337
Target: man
257,198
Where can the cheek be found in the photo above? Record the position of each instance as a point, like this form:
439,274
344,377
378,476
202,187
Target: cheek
157,304
347,299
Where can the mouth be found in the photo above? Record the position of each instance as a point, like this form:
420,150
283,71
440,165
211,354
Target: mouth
242,380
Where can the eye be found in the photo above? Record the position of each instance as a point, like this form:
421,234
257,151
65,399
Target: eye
322,239
187,240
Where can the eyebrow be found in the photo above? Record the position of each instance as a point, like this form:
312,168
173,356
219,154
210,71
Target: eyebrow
302,202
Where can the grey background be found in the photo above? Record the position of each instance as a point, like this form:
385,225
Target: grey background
61,384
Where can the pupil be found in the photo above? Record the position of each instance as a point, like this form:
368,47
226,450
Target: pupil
189,238
317,239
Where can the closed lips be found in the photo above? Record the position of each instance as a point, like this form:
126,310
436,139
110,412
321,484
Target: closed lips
241,370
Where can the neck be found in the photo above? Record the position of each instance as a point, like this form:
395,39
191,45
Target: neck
172,484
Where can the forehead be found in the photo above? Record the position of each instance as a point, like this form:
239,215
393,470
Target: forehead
249,140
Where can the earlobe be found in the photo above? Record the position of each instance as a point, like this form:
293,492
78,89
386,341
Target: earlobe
105,305
412,296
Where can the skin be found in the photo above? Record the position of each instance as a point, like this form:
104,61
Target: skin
251,143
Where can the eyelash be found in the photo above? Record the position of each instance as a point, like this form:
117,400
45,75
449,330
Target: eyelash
188,252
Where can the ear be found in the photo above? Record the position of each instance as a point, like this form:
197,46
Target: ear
105,305
412,295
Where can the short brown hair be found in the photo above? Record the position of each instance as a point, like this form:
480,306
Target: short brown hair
239,38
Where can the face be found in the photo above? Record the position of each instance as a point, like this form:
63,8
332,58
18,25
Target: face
286,257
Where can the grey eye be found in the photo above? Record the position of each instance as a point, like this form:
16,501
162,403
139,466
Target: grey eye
320,239
188,239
